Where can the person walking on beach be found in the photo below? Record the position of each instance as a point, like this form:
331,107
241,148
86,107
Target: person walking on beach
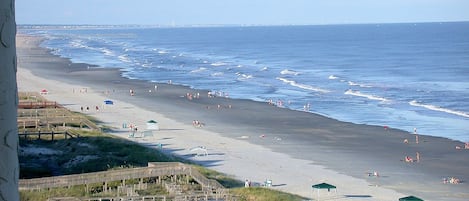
416,136
417,157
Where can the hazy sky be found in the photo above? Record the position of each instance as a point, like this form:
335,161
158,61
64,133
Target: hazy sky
189,12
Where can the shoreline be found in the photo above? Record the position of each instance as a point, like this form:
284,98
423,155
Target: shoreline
259,141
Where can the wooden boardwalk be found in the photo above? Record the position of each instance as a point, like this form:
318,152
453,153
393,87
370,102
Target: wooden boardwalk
53,135
35,113
154,170
210,188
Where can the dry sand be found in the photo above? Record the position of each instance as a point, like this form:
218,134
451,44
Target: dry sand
252,140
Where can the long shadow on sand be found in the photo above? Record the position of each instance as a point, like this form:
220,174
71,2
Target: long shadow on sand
358,196
208,163
172,129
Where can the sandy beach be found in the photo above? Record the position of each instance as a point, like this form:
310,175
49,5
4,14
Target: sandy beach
254,140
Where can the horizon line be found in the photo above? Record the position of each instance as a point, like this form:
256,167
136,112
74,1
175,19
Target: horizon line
228,25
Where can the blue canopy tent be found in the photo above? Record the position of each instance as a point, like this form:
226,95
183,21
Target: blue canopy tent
108,102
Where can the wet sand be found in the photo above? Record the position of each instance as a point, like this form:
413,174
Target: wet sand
256,140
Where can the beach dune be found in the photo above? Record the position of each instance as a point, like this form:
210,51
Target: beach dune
254,140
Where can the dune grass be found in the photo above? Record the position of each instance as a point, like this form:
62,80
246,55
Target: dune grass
97,151
263,194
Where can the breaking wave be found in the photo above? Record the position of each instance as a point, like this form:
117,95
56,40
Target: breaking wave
368,96
303,86
437,108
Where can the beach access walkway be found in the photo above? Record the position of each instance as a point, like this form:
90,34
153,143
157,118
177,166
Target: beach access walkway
36,114
156,171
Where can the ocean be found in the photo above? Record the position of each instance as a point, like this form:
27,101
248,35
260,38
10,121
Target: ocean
403,76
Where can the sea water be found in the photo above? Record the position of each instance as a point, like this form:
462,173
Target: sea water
404,76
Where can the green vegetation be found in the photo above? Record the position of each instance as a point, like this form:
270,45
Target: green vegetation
263,194
96,151
93,151
75,191
223,179
80,191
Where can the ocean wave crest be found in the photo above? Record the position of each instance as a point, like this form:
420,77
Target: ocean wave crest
163,52
107,52
303,86
218,64
124,58
198,70
437,108
288,72
78,44
244,76
358,84
368,96
217,74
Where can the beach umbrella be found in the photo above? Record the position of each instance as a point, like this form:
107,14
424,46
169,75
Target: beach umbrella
410,198
152,125
324,186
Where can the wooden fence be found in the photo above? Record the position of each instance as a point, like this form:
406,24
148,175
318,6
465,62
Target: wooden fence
172,168
53,135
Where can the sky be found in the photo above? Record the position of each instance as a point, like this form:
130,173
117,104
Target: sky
238,12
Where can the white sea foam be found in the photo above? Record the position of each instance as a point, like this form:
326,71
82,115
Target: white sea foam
303,86
289,72
147,65
107,52
218,64
264,68
437,108
124,58
78,44
216,74
360,94
358,84
333,77
199,70
162,52
244,76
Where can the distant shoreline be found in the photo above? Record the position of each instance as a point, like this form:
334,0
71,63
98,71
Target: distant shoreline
346,148
117,26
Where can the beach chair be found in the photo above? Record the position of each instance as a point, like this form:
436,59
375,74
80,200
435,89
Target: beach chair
199,151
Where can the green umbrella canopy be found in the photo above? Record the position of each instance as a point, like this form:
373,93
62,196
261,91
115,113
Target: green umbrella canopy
151,121
410,198
323,186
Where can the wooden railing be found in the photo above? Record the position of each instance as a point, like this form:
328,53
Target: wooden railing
41,118
37,105
39,135
118,175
